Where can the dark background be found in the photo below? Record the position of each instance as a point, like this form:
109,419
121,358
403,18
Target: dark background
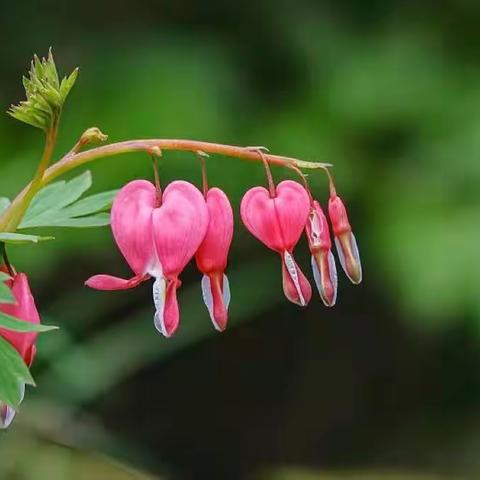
385,385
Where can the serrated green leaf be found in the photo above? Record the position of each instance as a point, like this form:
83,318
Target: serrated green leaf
13,373
47,204
17,325
4,203
92,204
6,295
56,206
44,199
8,237
98,220
68,83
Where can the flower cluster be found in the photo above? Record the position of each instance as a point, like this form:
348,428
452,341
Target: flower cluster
158,233
23,309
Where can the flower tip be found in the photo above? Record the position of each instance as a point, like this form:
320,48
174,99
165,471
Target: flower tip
349,256
216,296
325,275
296,287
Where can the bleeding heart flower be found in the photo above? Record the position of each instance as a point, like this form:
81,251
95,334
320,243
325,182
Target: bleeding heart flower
24,309
278,221
344,239
158,235
212,256
323,263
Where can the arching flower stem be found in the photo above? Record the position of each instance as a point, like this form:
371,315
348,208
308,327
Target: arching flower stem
14,213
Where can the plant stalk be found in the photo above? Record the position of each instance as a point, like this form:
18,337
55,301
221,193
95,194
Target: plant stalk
14,213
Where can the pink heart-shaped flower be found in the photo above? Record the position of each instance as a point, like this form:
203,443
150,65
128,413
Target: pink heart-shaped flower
277,222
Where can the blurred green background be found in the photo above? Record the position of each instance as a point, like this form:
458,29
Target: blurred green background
385,385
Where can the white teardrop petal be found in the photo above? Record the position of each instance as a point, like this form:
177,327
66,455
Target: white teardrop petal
356,254
333,276
292,271
341,256
207,295
7,413
159,292
226,291
316,275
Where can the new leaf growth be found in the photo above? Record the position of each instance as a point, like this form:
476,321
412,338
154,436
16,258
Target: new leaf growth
45,94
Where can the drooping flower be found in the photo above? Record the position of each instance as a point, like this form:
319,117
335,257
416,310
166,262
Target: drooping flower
278,221
344,239
23,309
158,234
211,257
323,263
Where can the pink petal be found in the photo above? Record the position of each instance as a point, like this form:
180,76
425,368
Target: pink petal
23,309
213,251
109,282
167,316
295,285
216,295
179,226
277,222
318,232
131,221
325,275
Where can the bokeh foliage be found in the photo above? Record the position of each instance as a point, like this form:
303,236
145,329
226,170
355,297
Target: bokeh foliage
389,93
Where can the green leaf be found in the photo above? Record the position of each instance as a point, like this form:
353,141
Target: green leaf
13,373
98,220
57,195
9,237
6,295
17,325
45,93
4,203
57,206
92,204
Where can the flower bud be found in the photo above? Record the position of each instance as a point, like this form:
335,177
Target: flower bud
23,309
344,239
323,263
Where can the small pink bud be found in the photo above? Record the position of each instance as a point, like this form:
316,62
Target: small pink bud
278,223
323,263
344,239
211,257
24,343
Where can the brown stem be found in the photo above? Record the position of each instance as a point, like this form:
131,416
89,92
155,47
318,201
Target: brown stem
304,181
158,188
331,184
271,185
202,156
74,160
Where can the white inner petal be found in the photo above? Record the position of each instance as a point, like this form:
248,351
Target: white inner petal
356,254
7,414
292,271
333,275
226,291
316,275
341,256
207,296
159,291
